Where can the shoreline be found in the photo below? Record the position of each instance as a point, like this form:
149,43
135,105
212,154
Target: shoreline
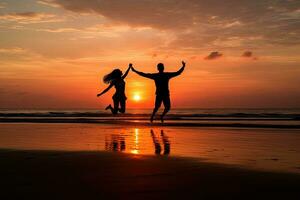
40,174
174,123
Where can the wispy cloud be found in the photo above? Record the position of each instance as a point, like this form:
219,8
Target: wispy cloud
29,17
90,29
48,3
13,50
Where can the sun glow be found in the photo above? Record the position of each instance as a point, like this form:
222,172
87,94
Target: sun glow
136,97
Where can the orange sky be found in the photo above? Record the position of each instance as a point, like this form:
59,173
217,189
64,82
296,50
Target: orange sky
54,53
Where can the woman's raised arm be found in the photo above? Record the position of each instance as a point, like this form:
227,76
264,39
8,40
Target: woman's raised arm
127,71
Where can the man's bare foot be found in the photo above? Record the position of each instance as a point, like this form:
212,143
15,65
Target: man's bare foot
162,119
151,119
108,107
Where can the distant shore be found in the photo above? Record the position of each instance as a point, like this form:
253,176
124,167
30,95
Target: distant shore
91,175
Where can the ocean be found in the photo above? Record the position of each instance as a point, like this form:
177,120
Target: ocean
190,112
260,118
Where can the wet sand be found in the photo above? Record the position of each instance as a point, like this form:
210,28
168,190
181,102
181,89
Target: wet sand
263,149
95,175
104,161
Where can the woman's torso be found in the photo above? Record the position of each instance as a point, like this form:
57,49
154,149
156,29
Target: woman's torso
120,88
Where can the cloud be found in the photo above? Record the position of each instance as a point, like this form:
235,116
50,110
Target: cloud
203,23
60,30
247,54
154,55
95,29
14,50
29,17
232,24
48,3
2,5
132,12
213,55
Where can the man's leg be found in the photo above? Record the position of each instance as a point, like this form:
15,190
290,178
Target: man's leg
167,104
158,101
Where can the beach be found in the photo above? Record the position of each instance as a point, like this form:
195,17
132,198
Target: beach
51,157
255,148
103,175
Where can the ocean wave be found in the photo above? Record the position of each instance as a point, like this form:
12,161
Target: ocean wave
238,115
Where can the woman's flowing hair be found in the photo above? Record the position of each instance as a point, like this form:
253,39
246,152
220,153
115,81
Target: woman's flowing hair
108,78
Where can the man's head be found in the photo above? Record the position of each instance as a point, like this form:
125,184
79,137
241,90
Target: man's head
160,67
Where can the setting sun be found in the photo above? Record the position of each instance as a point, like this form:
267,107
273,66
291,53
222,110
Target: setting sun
136,97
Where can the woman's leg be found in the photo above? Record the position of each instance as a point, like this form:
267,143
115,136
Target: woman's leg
108,107
116,106
114,110
123,106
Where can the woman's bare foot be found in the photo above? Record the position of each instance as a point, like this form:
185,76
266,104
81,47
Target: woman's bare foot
108,107
162,119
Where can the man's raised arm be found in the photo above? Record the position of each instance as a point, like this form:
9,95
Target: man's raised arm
146,75
173,74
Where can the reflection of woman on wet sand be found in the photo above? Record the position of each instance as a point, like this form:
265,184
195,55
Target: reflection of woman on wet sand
116,79
165,141
115,143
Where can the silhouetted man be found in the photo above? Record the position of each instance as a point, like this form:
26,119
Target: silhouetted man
162,87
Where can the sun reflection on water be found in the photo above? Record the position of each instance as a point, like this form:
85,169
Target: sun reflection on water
135,149
156,142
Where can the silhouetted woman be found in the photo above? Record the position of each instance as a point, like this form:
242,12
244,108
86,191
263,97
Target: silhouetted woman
116,78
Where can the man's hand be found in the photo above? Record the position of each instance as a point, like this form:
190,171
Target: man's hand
133,69
130,65
98,95
183,63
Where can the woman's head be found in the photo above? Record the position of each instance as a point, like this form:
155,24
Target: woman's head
115,74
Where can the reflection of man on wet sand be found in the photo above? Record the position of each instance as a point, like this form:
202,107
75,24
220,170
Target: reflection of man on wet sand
156,142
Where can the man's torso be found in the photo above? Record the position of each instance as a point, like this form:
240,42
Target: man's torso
161,83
